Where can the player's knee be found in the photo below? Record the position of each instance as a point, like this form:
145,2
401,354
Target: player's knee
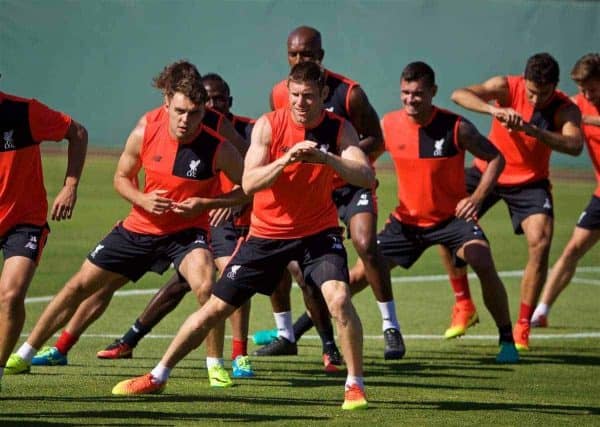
338,300
202,290
12,300
366,247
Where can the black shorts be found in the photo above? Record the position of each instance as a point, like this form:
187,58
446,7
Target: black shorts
351,200
25,240
133,254
590,217
403,244
522,200
258,264
225,237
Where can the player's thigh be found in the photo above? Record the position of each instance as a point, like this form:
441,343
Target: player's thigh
197,268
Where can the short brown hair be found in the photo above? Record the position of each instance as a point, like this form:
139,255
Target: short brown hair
307,71
181,76
586,68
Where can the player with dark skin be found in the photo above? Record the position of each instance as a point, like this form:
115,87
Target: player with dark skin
304,44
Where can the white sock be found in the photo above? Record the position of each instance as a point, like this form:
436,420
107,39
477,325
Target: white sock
285,327
388,315
213,361
359,381
161,373
26,352
541,310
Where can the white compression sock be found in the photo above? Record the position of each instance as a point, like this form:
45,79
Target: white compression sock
161,373
359,381
285,327
388,315
213,361
26,352
541,310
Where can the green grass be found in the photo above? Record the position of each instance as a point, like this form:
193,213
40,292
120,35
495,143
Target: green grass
438,382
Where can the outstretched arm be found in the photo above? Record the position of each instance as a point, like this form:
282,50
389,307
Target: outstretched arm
64,203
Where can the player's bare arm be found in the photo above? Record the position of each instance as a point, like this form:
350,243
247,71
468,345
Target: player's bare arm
227,130
352,164
366,122
125,179
64,203
471,140
569,139
478,97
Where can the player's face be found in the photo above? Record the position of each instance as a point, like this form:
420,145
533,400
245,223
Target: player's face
218,98
184,116
302,50
306,102
417,97
591,91
539,94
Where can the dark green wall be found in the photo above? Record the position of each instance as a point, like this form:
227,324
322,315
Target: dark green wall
95,59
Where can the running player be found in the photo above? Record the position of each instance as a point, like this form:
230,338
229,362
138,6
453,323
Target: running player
427,146
356,208
292,149
169,220
586,74
24,124
531,118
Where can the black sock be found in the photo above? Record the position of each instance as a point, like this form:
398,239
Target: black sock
303,324
327,338
135,334
505,333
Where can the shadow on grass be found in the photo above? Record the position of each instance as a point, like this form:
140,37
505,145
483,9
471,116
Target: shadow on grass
497,406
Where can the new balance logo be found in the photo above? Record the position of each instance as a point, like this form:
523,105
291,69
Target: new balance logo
330,109
547,204
337,243
96,250
233,272
363,201
193,168
477,231
439,145
200,239
32,244
8,140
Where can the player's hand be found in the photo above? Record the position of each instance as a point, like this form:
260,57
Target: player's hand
64,203
219,216
190,207
302,151
155,203
509,118
467,209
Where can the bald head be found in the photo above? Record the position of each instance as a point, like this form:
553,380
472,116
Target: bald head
304,44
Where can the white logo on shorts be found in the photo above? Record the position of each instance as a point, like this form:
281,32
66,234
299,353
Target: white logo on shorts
337,243
200,239
193,168
8,140
439,145
32,244
233,271
547,204
581,216
477,231
96,250
363,201
330,109
324,148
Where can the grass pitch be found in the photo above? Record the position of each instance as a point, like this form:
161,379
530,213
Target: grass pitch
437,383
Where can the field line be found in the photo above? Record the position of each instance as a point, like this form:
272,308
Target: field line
575,335
408,279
